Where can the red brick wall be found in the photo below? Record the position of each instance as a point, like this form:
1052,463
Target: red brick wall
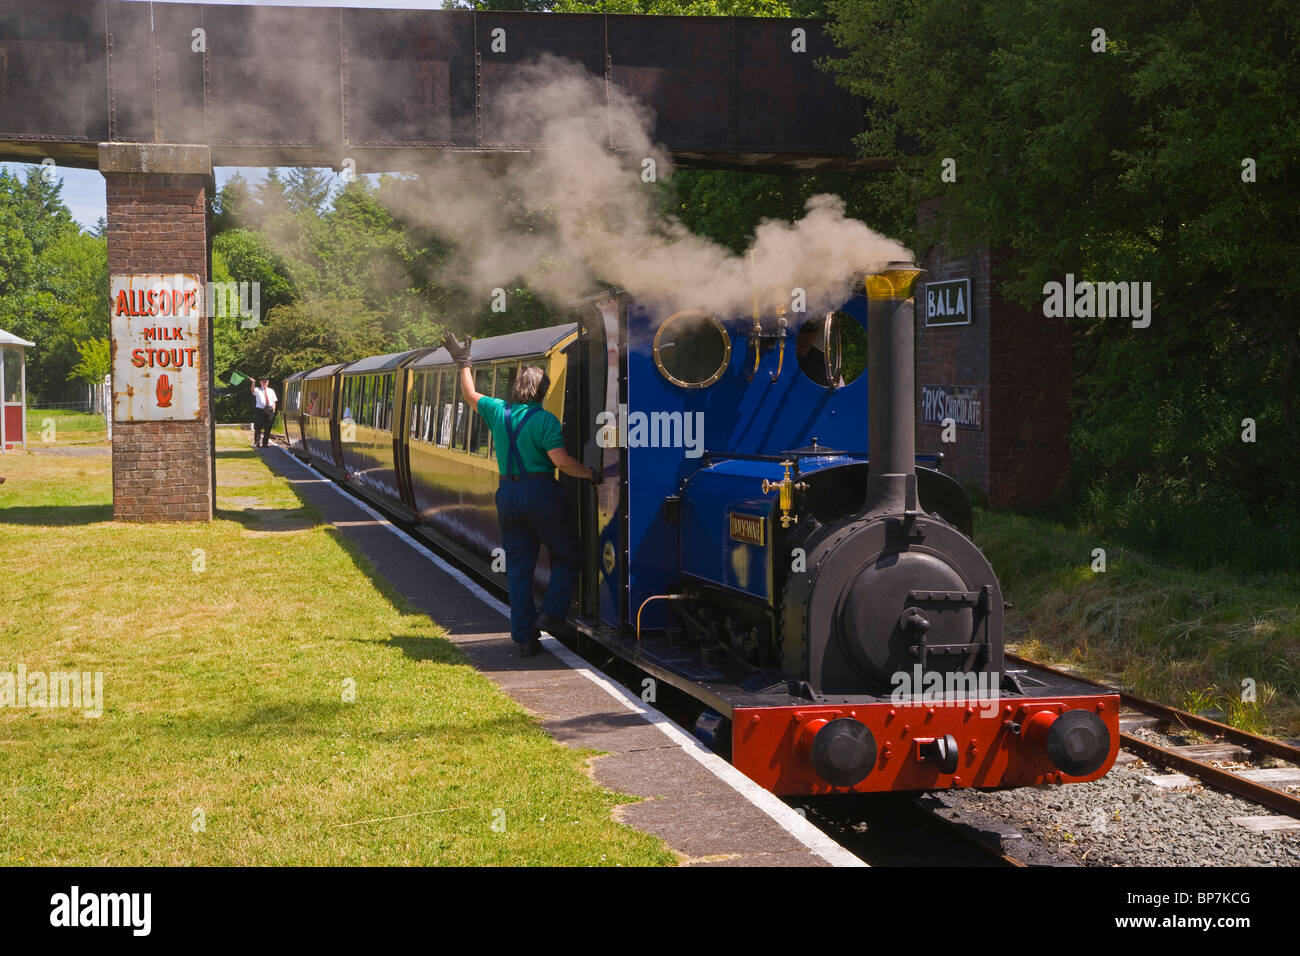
1031,376
1020,361
163,471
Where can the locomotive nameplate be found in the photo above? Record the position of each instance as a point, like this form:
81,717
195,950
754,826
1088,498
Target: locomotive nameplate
747,528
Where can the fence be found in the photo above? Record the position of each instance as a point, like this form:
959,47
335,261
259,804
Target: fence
95,399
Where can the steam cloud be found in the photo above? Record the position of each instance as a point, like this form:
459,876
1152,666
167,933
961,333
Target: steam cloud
599,224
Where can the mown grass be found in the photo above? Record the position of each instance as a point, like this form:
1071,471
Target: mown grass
1189,638
228,651
62,427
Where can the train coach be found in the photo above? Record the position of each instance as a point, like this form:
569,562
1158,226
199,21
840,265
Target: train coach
763,538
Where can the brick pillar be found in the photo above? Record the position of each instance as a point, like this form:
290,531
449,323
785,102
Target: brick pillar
1031,373
163,462
1019,361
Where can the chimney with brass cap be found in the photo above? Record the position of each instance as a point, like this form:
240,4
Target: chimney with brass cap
891,390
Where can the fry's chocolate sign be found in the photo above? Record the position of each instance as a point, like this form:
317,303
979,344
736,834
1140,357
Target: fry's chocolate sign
157,349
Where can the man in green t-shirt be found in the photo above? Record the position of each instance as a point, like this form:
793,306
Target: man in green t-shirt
531,506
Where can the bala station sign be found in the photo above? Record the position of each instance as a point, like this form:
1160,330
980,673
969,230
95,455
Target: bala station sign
947,303
157,349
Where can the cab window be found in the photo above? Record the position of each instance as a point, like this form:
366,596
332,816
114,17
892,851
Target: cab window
692,349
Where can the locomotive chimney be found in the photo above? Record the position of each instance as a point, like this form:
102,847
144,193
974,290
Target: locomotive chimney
891,390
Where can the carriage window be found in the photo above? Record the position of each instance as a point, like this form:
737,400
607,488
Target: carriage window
413,405
429,430
420,406
832,350
692,349
446,401
461,432
390,396
481,439
506,380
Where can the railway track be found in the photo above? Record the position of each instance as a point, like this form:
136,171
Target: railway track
1261,785
884,829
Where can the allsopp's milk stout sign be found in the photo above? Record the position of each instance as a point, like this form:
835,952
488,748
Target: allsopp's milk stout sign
157,349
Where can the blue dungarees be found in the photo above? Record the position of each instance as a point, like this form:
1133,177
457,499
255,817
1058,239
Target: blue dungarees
533,510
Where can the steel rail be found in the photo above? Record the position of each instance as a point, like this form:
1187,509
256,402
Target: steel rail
1267,796
1278,800
1263,745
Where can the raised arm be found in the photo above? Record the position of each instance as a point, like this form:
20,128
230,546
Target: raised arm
472,395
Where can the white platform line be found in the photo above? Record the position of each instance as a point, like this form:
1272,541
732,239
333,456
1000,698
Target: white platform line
783,815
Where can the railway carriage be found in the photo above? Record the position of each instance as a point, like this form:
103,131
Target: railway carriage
372,402
316,417
823,606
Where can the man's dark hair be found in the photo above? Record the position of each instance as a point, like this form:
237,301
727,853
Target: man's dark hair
530,385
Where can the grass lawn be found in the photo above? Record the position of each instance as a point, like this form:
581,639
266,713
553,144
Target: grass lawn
229,652
1186,638
63,427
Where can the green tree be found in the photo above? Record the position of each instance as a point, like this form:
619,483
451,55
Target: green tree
231,205
53,280
309,333
1163,151
93,363
307,189
249,256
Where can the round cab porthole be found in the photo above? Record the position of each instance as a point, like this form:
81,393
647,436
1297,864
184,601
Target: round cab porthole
692,349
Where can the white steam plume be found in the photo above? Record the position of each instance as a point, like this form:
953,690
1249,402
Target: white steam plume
599,222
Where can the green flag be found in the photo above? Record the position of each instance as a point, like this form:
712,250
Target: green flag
237,378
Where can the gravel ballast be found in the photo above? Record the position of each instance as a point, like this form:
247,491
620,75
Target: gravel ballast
1124,819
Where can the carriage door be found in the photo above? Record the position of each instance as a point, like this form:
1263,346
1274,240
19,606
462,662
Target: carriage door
602,508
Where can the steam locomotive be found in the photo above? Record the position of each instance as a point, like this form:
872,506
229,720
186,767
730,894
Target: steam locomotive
763,538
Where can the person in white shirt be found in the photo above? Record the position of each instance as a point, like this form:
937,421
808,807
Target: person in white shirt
265,398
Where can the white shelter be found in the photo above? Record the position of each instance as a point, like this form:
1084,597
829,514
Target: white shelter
13,390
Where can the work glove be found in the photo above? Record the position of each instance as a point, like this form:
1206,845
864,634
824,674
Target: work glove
456,350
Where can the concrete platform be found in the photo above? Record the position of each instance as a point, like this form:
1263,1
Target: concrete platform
708,812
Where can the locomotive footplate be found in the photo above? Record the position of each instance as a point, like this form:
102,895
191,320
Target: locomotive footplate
1032,727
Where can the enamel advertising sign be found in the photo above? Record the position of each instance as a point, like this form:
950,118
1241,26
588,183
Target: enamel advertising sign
157,349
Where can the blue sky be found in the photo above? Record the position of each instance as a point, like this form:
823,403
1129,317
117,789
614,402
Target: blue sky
83,189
